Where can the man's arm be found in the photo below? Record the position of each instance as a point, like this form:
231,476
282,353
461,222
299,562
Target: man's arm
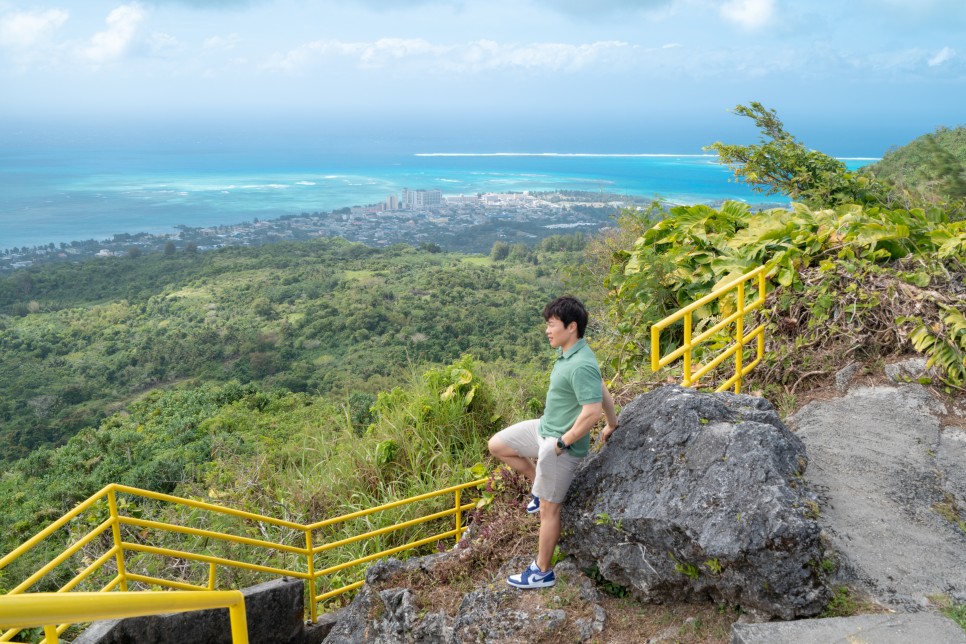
608,405
589,414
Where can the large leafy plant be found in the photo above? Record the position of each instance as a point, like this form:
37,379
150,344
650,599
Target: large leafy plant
697,248
945,344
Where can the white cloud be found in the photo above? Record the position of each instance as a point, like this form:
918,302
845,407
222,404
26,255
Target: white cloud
480,55
122,25
222,43
27,28
386,50
945,54
162,44
487,54
750,14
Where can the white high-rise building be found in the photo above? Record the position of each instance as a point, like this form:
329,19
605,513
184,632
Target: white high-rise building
421,198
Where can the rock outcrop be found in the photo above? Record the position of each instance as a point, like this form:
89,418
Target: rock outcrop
700,496
386,612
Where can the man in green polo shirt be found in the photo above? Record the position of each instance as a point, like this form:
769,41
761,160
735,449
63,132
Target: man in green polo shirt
561,437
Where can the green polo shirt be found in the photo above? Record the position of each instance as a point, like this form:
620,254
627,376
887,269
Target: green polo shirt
574,382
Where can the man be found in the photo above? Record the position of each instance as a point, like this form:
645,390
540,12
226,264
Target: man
561,437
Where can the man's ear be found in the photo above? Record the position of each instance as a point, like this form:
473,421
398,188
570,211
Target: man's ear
572,324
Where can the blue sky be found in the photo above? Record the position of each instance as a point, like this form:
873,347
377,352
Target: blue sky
874,71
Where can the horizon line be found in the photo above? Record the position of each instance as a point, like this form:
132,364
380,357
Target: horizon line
553,154
596,154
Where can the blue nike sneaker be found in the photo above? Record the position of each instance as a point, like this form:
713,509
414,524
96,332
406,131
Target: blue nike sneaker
532,577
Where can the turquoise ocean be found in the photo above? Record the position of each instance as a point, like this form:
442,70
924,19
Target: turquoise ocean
61,190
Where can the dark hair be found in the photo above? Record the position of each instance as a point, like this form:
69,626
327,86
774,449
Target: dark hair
567,309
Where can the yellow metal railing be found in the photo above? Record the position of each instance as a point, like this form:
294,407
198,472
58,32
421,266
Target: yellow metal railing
692,374
297,550
46,610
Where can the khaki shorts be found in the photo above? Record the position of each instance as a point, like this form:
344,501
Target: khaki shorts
554,473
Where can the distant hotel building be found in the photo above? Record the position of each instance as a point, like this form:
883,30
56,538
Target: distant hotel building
421,198
392,202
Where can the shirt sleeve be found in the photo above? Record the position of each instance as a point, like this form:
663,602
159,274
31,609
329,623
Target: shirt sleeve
586,384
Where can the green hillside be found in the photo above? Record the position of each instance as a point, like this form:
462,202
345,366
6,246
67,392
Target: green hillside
932,167
80,341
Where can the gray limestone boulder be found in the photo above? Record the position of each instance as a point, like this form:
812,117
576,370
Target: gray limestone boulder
700,497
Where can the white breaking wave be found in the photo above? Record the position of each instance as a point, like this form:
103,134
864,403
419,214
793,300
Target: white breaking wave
553,154
653,155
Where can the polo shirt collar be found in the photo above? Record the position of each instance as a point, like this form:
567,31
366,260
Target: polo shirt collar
578,345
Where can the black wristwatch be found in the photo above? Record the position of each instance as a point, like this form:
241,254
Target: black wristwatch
561,444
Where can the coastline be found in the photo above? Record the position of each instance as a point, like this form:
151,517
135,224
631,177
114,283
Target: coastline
468,224
67,195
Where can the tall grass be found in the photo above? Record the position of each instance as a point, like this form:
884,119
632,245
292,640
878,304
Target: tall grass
427,434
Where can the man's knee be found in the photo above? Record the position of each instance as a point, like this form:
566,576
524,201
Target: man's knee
549,509
498,448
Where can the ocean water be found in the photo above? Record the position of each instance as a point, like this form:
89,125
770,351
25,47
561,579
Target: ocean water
61,189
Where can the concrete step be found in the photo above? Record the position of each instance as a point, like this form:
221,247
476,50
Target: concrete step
893,628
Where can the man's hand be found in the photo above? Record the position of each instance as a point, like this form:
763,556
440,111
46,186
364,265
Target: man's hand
607,431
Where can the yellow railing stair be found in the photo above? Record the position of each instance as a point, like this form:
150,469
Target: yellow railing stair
111,557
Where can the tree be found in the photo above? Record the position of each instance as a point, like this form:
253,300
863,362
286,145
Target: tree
191,248
500,251
519,253
169,249
134,252
23,282
780,164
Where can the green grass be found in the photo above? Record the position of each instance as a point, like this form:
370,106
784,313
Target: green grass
957,614
842,604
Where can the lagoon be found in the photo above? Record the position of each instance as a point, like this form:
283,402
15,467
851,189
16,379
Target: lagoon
96,189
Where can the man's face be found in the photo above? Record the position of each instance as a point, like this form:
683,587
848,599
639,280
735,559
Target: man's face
560,335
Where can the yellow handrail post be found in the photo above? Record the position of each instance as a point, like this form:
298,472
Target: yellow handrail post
116,532
761,296
239,623
310,569
50,634
740,335
212,573
687,352
458,516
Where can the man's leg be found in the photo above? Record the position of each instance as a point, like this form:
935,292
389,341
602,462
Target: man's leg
549,533
509,456
517,445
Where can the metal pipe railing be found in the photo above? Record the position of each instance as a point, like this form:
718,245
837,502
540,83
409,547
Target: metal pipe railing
117,521
691,375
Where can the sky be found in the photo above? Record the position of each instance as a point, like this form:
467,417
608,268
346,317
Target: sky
856,75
